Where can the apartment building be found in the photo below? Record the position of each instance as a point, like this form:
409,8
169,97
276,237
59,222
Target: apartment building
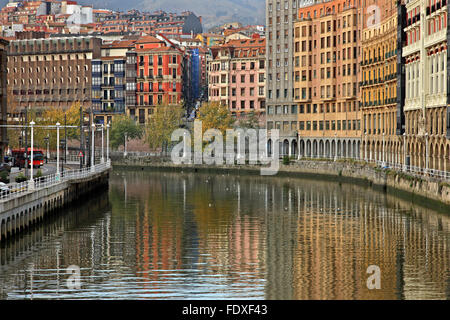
327,53
281,107
3,96
237,74
427,111
109,81
50,72
159,81
382,86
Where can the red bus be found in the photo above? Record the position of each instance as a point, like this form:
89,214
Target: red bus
19,157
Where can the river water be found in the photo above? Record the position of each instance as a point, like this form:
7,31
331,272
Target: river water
158,235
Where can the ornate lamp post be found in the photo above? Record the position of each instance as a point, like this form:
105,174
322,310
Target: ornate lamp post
57,151
31,181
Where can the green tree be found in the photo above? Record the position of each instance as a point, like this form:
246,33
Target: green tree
215,116
122,127
50,117
160,126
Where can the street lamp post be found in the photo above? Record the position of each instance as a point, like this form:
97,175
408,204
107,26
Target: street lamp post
93,149
107,142
427,153
47,141
103,147
57,150
365,147
125,146
335,146
31,181
404,152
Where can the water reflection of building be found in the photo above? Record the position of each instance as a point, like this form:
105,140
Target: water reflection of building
342,231
293,239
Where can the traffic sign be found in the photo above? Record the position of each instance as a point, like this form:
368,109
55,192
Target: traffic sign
81,155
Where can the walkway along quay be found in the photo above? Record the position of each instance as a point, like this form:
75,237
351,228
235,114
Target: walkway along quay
29,203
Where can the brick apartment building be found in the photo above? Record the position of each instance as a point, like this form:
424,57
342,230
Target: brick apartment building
50,72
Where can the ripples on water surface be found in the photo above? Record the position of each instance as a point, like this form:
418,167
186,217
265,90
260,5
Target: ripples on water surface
186,236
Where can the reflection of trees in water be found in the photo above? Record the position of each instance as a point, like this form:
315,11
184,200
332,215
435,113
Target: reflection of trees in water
307,239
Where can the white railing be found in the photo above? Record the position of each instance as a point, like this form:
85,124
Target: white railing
17,189
443,175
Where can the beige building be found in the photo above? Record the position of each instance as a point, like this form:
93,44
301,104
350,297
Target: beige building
327,54
382,102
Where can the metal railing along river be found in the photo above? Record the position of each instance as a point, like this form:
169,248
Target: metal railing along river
17,189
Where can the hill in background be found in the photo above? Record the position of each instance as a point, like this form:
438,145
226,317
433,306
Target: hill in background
214,12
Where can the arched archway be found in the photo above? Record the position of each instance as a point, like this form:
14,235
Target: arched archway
447,161
321,148
302,148
285,147
333,148
358,150
327,149
294,148
308,148
315,148
339,149
269,147
344,149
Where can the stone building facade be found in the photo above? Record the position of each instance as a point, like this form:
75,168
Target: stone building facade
427,115
50,72
280,104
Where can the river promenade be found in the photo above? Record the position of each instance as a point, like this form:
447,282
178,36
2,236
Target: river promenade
28,203
410,183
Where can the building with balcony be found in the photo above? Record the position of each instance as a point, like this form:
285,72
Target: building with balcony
159,67
327,38
427,96
3,96
281,107
237,76
109,81
50,72
382,82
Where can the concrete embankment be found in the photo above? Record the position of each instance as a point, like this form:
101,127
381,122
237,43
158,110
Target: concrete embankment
425,190
19,213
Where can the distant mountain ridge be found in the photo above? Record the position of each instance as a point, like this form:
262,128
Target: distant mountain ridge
214,12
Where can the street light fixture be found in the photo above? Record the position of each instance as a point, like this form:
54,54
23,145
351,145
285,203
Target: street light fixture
107,142
31,181
103,147
57,151
93,149
47,142
404,152
427,153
